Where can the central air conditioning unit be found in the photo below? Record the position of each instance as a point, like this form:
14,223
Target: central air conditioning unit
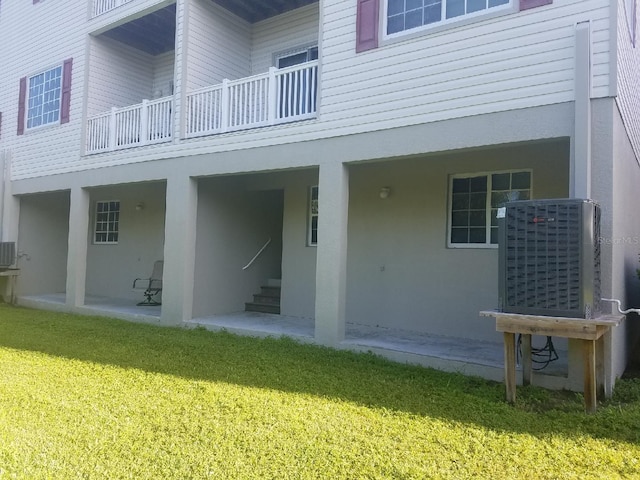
549,254
7,254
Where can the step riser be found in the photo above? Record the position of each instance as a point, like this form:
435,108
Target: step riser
266,299
270,291
254,307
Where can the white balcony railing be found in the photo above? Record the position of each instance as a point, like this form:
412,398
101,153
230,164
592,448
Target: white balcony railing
278,96
143,124
104,6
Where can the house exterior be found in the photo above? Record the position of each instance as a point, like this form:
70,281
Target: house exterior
367,143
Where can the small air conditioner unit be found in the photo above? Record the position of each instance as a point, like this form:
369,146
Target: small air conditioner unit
7,254
549,253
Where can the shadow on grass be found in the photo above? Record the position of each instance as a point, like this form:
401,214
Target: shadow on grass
285,365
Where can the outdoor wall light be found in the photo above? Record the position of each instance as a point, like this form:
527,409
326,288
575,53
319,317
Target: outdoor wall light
139,206
385,192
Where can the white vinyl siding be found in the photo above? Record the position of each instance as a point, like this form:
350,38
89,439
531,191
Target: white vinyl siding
219,46
282,34
628,98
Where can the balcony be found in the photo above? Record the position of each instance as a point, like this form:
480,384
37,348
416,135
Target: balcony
275,97
104,6
146,123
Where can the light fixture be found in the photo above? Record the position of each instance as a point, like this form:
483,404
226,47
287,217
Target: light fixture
385,192
139,206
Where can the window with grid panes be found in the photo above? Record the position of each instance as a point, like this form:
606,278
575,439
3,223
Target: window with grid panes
44,91
312,235
402,15
107,221
474,202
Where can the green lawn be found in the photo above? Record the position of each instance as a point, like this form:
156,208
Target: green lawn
84,397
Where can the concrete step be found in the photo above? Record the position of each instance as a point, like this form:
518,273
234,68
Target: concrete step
269,291
262,307
266,299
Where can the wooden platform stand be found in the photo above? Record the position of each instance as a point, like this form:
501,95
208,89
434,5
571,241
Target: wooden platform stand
590,331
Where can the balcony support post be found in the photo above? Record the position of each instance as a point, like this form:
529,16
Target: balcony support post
112,129
271,98
225,113
144,122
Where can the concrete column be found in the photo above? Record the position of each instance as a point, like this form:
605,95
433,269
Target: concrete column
581,159
80,202
331,268
179,250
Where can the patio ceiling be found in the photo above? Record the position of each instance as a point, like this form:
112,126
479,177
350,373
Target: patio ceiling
256,10
155,32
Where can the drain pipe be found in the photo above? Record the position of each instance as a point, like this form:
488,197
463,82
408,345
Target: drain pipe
624,312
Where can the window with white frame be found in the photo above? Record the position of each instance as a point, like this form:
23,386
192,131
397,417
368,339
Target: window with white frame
107,221
312,235
474,200
44,92
403,15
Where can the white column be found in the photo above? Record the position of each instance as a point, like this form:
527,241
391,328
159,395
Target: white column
78,243
581,159
2,190
179,250
331,263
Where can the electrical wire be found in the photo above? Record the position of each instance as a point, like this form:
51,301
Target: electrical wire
539,356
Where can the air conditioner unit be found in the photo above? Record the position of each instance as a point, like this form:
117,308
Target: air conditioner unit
549,253
7,254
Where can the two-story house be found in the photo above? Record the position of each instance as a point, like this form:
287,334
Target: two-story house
353,150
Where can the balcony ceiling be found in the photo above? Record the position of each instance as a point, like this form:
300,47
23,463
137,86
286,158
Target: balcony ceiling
255,10
155,32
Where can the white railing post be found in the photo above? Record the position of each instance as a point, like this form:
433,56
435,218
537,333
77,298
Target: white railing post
112,129
144,122
224,109
271,97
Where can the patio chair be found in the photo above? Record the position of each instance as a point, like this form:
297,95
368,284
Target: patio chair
152,285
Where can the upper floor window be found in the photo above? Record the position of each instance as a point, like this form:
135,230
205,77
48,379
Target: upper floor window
44,94
45,98
402,15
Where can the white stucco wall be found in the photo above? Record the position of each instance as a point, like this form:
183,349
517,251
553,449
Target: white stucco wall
42,243
400,273
111,269
233,224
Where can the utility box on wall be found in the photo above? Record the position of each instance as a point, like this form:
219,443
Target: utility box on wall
549,253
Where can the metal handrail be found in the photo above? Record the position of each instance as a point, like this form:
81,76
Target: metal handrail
257,254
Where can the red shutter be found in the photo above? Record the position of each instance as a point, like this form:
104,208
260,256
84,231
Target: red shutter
22,97
65,96
367,25
526,4
35,1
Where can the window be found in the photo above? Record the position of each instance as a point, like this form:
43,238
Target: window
107,221
474,201
44,98
312,236
404,15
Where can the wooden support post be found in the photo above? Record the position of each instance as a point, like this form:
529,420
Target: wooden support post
527,367
589,352
510,365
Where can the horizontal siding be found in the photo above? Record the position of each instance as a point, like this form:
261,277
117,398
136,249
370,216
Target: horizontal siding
31,40
628,98
119,76
281,34
511,62
526,57
163,78
219,46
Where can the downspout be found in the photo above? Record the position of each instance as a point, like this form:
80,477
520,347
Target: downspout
581,159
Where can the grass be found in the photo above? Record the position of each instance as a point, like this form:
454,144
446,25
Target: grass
84,397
